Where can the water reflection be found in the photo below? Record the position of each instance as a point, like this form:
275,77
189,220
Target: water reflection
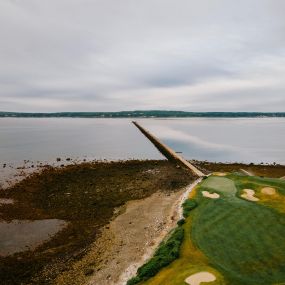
239,139
225,140
22,235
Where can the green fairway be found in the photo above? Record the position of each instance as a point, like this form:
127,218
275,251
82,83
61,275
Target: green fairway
241,242
222,185
244,240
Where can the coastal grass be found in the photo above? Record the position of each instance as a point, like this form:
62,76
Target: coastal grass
190,261
178,270
188,205
167,252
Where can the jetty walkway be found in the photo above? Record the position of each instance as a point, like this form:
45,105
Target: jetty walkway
168,152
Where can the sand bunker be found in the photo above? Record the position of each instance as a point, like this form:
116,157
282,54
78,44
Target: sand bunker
220,174
210,195
249,195
268,191
200,277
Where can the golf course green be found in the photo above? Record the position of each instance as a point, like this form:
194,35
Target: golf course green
234,235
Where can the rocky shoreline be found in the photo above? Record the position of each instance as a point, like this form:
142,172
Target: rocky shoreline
116,212
87,196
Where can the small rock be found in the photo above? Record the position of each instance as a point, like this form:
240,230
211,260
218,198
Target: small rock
88,271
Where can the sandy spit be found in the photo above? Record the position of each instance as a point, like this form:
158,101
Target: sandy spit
128,241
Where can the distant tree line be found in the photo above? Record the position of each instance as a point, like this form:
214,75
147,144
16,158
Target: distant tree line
143,114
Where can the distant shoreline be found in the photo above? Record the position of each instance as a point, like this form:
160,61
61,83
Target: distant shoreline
144,114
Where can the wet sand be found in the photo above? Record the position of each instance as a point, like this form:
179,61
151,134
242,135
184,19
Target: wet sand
127,242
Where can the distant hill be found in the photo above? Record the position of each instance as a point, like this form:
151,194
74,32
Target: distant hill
143,114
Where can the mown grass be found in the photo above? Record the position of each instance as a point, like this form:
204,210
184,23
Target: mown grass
276,201
244,240
177,271
239,241
190,261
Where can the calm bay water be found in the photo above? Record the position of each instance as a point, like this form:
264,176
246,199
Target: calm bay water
225,140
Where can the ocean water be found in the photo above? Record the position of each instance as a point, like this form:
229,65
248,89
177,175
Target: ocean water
224,140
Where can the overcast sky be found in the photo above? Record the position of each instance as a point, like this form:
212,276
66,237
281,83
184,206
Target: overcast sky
109,55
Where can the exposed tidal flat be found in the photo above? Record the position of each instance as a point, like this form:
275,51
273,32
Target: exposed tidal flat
86,197
112,215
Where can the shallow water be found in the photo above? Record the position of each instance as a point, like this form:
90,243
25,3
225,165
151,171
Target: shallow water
22,235
225,140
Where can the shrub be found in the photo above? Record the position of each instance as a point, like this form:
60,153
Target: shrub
188,205
167,252
134,280
181,222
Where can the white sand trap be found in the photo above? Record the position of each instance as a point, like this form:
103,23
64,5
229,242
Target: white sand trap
200,277
249,195
210,195
268,191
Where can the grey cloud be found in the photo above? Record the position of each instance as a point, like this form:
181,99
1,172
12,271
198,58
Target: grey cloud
115,55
